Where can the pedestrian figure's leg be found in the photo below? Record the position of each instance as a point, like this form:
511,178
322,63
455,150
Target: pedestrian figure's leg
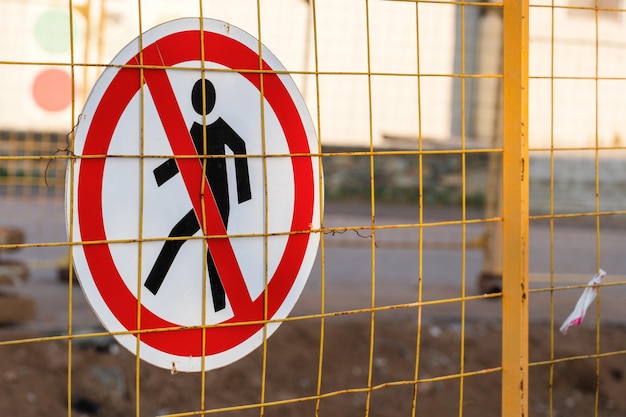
186,227
217,289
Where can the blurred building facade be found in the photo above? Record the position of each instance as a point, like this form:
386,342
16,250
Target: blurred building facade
353,38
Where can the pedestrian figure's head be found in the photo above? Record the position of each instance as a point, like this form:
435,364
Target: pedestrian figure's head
209,97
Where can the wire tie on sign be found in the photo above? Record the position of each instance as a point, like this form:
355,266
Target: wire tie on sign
67,150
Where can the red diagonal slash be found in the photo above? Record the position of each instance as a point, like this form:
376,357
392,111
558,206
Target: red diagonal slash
195,180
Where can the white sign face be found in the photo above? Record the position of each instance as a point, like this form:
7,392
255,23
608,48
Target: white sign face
254,192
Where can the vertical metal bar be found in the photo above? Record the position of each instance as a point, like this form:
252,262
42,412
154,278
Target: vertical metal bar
373,208
597,206
420,270
515,211
266,215
552,172
71,162
463,214
142,108
320,363
203,310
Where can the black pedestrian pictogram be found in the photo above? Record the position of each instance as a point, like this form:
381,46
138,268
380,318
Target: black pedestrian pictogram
217,135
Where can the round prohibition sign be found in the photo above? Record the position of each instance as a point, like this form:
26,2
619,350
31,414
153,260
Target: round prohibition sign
183,347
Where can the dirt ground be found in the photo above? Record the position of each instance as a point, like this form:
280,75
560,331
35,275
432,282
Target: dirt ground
34,376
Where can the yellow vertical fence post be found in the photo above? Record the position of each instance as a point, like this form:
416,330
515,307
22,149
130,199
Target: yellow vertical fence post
515,211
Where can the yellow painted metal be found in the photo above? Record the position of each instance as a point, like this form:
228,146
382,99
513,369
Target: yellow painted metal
514,221
515,210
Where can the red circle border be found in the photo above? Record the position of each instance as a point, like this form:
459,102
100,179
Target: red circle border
174,49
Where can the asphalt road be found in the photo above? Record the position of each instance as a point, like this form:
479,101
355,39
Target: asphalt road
351,252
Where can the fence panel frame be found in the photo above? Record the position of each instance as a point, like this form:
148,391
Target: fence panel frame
515,204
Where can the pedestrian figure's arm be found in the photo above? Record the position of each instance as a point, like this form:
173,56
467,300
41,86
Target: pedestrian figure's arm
238,146
165,171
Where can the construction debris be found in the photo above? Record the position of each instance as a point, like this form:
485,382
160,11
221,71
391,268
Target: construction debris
13,272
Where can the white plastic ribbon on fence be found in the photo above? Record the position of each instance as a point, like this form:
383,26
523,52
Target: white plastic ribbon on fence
585,300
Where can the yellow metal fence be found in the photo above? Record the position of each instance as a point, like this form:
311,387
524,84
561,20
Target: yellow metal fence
446,264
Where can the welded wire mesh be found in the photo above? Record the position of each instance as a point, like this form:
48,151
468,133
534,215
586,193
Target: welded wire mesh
576,136
456,150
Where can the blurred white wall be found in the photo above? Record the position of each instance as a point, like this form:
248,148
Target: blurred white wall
286,28
574,110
